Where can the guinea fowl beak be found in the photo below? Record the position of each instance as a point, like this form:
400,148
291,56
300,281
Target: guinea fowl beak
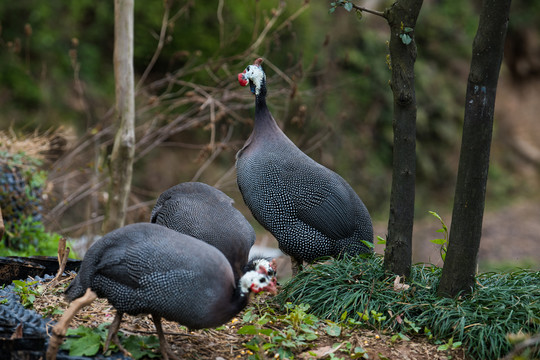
272,287
241,80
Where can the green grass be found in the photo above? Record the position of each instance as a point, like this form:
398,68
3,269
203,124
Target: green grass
358,290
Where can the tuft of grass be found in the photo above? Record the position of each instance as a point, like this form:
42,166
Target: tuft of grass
357,290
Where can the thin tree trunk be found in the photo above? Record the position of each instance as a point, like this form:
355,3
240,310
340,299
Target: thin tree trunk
466,230
402,18
121,162
2,227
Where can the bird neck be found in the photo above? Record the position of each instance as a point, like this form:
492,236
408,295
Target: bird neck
225,309
240,298
264,121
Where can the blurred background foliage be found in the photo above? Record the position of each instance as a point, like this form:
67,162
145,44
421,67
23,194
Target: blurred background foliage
328,88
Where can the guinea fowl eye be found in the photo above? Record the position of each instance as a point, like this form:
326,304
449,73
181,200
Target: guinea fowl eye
263,280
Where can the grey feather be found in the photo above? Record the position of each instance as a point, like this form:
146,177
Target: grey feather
206,213
150,269
311,210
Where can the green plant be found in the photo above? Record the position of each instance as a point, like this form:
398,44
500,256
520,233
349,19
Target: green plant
21,189
444,240
449,345
27,291
30,238
298,330
85,341
357,288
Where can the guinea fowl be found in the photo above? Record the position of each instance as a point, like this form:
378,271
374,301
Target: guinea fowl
311,211
206,213
149,269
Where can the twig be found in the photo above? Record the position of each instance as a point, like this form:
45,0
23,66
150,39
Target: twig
63,255
161,41
221,23
267,28
101,217
293,17
213,156
374,12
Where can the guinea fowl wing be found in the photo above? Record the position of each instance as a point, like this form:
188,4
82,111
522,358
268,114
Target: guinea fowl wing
321,197
329,210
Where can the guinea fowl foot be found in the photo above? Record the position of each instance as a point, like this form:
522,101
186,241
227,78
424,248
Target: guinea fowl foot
164,347
113,335
297,266
59,330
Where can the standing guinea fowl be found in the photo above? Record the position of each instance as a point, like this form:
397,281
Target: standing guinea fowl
311,210
206,213
149,269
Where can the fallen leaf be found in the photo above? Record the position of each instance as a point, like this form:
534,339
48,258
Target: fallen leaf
398,286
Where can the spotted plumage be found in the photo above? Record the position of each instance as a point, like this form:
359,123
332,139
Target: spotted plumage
149,269
311,210
206,213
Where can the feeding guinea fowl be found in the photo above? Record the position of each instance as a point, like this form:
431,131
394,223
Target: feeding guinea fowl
311,211
206,213
149,269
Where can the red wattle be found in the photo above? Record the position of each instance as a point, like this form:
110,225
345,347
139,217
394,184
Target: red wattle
241,80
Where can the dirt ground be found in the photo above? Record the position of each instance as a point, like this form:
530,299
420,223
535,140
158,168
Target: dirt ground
226,343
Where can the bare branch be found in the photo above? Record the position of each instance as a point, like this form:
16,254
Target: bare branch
374,12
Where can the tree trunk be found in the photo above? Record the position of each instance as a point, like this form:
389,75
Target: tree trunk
466,229
121,162
402,18
2,227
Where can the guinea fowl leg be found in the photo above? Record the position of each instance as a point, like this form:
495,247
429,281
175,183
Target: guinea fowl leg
59,330
113,335
164,347
296,265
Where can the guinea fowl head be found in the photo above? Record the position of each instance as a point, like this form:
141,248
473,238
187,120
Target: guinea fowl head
262,265
254,76
261,279
255,282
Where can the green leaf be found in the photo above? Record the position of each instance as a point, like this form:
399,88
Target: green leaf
381,240
368,244
268,346
249,316
333,330
359,352
407,29
443,347
348,6
406,39
435,214
248,330
267,332
285,353
438,241
359,14
85,346
141,346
